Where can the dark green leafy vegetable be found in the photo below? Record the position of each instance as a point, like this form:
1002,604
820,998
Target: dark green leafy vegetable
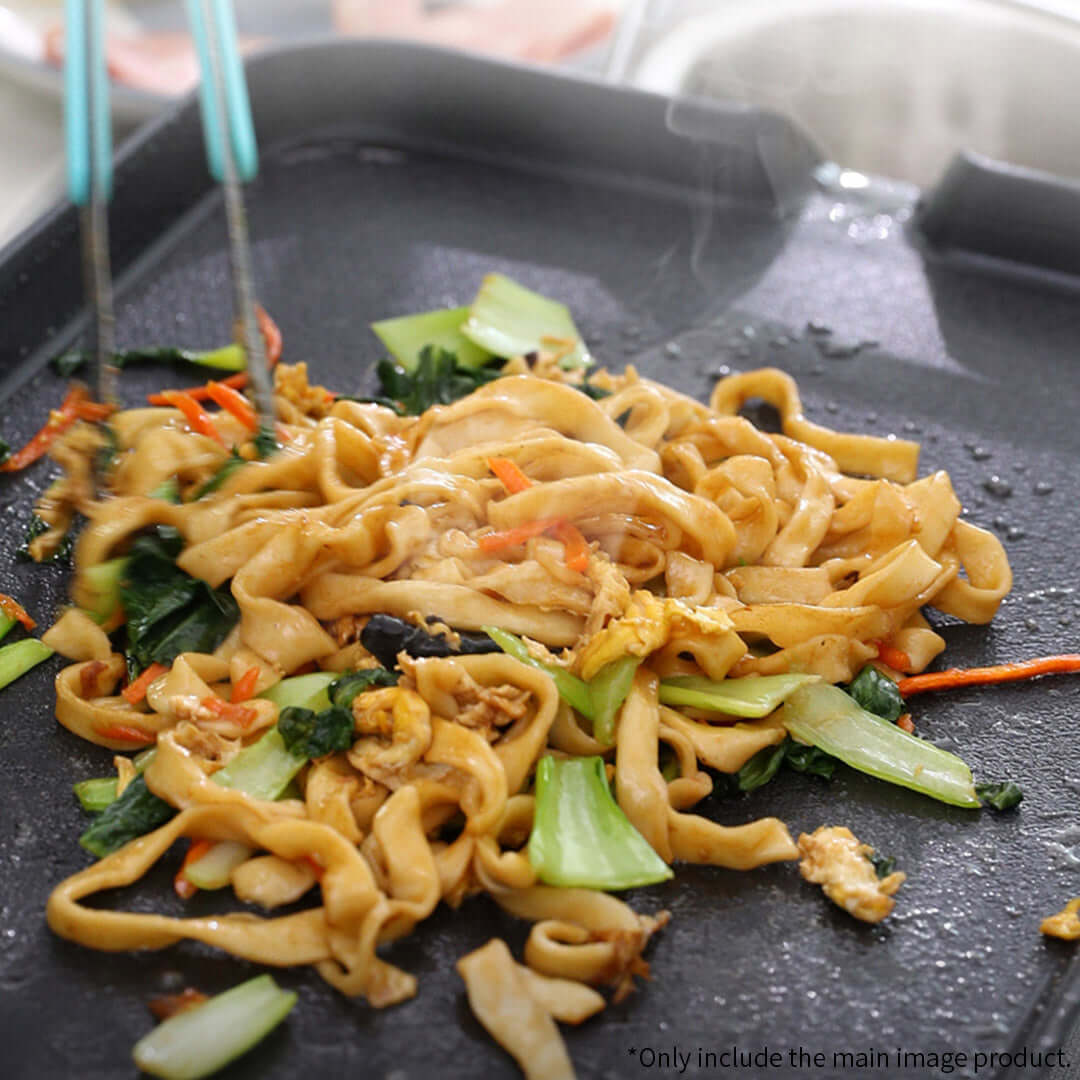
767,762
227,358
877,693
385,636
809,759
761,768
310,734
883,865
999,796
169,611
38,527
344,690
137,812
437,380
266,444
226,469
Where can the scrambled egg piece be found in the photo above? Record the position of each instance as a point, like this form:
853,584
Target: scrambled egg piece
291,385
650,622
1064,924
834,859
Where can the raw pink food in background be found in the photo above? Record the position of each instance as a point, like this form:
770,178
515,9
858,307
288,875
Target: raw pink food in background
536,30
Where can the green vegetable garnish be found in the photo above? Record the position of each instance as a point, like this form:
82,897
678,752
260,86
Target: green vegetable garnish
571,689
135,813
437,379
19,657
201,1040
406,337
607,691
39,527
310,734
768,761
883,865
168,611
309,691
263,769
752,696
999,796
829,719
95,795
226,358
761,768
508,320
580,837
345,688
214,869
233,462
877,693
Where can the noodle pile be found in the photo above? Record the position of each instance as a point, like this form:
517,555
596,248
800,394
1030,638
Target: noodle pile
713,549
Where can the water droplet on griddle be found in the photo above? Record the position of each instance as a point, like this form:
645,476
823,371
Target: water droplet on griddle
816,326
1030,624
1015,532
1042,488
673,348
996,486
980,453
831,406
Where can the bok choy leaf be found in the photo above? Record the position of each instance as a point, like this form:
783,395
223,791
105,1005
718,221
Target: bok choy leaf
580,837
829,719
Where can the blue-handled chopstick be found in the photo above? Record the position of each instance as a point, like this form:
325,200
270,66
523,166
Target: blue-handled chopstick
232,156
88,134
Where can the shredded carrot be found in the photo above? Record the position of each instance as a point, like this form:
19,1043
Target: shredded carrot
168,1005
271,335
184,888
1067,664
200,393
508,472
123,733
244,715
59,421
272,341
496,541
904,722
94,411
134,692
895,658
14,610
194,413
577,548
234,402
171,1004
244,687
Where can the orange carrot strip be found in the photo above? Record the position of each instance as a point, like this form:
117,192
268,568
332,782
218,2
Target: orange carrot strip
244,687
271,335
904,722
94,411
496,541
14,610
170,1004
272,340
134,692
895,658
244,715
200,393
577,548
123,733
1068,664
184,888
508,472
59,421
194,413
234,402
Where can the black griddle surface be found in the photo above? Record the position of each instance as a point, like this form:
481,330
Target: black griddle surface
981,367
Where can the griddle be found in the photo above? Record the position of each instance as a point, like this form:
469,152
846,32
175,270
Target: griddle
689,240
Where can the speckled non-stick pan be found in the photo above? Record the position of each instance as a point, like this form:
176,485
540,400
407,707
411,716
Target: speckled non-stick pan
392,179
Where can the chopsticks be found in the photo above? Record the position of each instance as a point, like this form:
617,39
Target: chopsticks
232,157
88,136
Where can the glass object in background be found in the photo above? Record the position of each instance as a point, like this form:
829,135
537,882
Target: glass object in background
893,87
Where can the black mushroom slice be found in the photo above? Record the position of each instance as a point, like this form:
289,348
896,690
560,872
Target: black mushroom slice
385,636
